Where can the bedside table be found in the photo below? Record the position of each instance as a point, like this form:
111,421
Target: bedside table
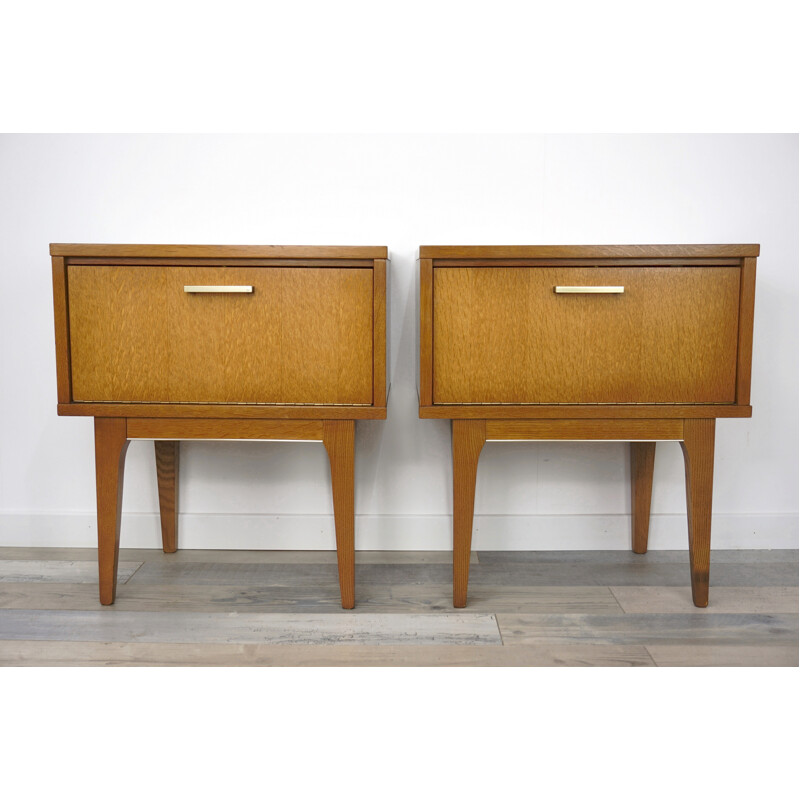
634,343
171,342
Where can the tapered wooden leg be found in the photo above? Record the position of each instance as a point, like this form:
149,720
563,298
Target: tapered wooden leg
643,456
469,436
110,444
338,436
167,473
698,454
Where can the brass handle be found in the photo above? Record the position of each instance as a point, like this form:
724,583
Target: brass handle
589,289
219,289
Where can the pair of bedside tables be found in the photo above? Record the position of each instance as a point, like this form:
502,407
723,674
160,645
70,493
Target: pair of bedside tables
633,343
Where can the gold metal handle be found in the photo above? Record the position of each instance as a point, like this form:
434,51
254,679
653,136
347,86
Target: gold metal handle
218,289
589,289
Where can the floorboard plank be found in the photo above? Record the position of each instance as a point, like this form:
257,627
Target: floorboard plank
629,557
386,599
232,556
723,600
650,629
634,574
575,574
38,653
113,625
723,656
60,571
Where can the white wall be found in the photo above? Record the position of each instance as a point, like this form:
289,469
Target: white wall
400,191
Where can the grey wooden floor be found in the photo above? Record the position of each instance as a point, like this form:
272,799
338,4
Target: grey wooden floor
277,608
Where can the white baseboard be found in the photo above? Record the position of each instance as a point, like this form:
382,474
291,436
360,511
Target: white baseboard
373,532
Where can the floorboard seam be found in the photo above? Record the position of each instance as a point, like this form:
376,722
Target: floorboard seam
610,589
141,564
650,656
499,632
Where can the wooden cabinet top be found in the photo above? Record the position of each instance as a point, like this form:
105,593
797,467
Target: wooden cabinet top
670,251
216,251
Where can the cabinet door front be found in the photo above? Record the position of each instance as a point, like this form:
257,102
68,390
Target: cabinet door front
301,336
504,335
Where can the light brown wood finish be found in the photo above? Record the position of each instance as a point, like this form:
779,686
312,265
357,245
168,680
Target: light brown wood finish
101,261
300,357
226,251
504,336
587,411
660,361
590,251
61,330
224,429
698,453
118,323
167,460
110,445
580,262
326,339
425,332
303,336
643,456
220,347
747,301
338,436
220,411
468,439
571,429
380,387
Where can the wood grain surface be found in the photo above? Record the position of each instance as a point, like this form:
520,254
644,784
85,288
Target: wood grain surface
586,429
284,608
380,385
110,446
338,436
302,336
226,251
286,629
254,411
425,332
706,629
468,440
325,598
224,429
698,453
119,325
129,654
569,411
726,599
642,461
35,570
167,466
671,251
61,319
747,300
503,336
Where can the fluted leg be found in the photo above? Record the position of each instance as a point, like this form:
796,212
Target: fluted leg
167,472
469,436
338,436
110,444
643,456
698,454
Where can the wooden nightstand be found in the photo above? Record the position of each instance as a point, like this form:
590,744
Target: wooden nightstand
171,342
634,343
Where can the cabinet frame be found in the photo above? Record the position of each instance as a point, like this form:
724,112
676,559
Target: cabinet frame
641,424
117,423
